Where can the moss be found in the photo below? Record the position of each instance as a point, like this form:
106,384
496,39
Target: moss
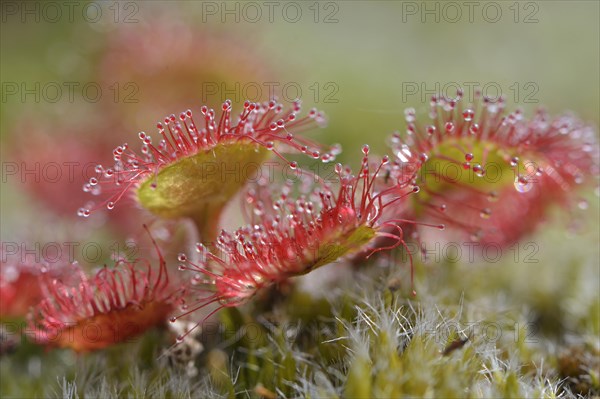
363,340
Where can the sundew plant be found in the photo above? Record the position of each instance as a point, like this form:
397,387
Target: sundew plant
298,200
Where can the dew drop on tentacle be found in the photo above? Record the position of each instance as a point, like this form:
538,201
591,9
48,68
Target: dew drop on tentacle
173,319
430,130
492,196
450,104
110,205
522,184
468,115
476,236
200,248
409,115
474,129
293,165
197,279
336,149
181,257
539,171
365,149
583,204
485,213
468,157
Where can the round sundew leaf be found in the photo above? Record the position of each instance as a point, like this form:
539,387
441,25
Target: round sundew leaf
333,250
201,183
114,327
195,169
475,162
441,172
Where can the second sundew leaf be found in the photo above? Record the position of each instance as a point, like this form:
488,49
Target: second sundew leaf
290,237
336,248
